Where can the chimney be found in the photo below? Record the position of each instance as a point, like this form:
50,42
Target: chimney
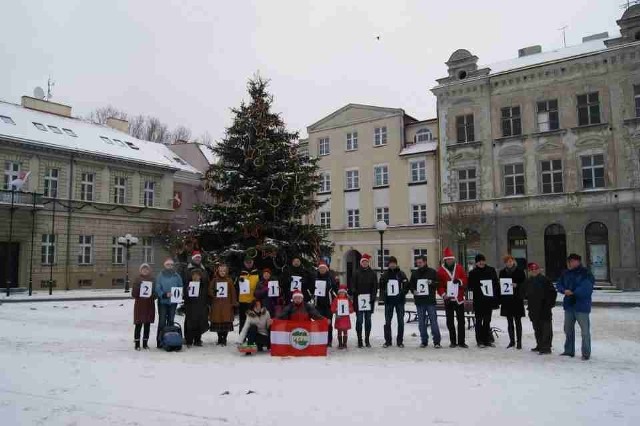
598,36
118,124
531,50
181,142
46,106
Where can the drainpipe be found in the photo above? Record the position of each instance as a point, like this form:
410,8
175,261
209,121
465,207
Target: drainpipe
69,211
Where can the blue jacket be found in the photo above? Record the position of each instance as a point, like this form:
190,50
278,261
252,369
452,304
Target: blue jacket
164,281
580,281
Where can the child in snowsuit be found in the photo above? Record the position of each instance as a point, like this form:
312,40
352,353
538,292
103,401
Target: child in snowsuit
342,306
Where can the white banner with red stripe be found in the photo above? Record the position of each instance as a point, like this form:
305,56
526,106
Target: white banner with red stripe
299,338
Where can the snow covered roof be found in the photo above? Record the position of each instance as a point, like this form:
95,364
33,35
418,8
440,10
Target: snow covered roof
208,154
420,148
54,131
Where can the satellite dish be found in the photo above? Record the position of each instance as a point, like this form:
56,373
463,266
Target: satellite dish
38,93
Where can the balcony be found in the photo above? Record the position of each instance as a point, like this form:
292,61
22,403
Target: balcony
20,199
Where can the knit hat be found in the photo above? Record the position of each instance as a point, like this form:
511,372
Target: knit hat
575,256
196,254
533,266
365,257
480,257
144,265
266,270
322,264
296,293
448,254
392,259
247,258
343,289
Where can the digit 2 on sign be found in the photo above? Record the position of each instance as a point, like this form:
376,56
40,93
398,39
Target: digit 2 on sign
221,289
146,289
364,302
506,286
296,283
422,287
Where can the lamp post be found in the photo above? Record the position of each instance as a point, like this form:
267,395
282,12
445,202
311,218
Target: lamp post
381,226
127,242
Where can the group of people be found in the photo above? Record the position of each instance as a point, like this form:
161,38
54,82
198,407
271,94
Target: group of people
211,299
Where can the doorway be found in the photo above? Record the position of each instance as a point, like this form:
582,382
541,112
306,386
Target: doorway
9,272
597,238
351,262
555,250
517,238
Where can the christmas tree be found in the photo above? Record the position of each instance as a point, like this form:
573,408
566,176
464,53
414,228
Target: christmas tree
262,189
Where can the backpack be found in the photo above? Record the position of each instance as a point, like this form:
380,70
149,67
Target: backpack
172,337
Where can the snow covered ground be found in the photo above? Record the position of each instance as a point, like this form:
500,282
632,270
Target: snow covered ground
73,363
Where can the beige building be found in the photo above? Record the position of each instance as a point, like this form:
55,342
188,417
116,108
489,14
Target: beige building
376,164
86,185
544,149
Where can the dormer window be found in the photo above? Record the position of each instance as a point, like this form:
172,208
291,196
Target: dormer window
424,135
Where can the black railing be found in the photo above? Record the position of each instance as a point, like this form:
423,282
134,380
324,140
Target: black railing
19,198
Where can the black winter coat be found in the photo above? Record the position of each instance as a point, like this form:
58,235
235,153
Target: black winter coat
541,297
513,306
482,303
431,276
403,282
365,281
196,308
307,286
323,303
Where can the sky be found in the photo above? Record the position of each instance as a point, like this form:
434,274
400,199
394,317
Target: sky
188,62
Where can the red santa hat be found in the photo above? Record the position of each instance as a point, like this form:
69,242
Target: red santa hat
343,289
196,254
296,293
365,257
533,266
266,270
322,264
448,254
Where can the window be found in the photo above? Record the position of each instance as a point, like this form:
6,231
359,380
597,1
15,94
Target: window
147,250
11,173
353,218
352,141
424,135
381,175
511,123
131,145
514,179
107,140
419,214
592,171
325,182
179,161
7,120
85,283
40,126
117,282
382,213
323,146
117,252
551,172
588,109
382,262
467,184
70,132
548,118
55,129
380,136
418,171
417,253
464,128
87,181
119,190
636,97
85,254
119,142
353,179
149,193
51,183
48,249
325,219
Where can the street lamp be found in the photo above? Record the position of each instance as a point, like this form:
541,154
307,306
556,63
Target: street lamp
127,242
381,226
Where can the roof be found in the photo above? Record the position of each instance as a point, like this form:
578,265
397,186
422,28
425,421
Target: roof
208,153
375,112
89,138
420,148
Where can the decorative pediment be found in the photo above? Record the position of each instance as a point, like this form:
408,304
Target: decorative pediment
549,146
352,114
511,151
465,155
590,141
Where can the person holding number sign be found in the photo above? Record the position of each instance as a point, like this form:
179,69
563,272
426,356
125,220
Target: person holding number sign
423,285
166,280
325,289
364,283
223,302
270,293
296,277
247,283
512,305
484,283
342,307
451,276
144,311
394,287
196,308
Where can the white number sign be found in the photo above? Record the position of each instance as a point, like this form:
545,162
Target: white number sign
506,286
422,287
146,288
222,289
343,308
296,283
274,289
245,288
176,294
321,288
194,289
364,302
452,289
487,287
393,288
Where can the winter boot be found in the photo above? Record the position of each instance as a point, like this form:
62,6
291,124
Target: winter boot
367,343
137,346
145,344
360,345
344,342
511,344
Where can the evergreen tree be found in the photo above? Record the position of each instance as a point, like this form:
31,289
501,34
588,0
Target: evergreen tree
262,189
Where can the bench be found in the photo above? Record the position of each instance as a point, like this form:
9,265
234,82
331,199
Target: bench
412,316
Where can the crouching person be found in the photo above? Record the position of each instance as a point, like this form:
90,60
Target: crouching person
144,311
256,327
298,310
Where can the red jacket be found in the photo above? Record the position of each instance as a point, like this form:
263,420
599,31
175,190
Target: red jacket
458,275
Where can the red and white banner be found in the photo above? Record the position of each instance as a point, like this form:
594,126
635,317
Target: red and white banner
299,338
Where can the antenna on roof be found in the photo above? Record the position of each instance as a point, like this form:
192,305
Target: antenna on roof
38,93
564,35
50,84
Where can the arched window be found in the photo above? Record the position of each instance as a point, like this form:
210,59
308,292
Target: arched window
597,240
555,250
424,135
517,238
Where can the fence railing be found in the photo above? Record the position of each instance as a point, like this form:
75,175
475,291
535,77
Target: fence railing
19,198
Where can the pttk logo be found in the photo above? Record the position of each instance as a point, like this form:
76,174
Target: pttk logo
300,339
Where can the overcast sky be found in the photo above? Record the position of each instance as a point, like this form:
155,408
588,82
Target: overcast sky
187,61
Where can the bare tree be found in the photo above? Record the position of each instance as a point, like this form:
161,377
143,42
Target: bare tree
206,139
100,115
180,133
461,224
137,126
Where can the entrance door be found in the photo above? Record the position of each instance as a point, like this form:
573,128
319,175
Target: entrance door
597,239
11,256
517,239
555,251
352,262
